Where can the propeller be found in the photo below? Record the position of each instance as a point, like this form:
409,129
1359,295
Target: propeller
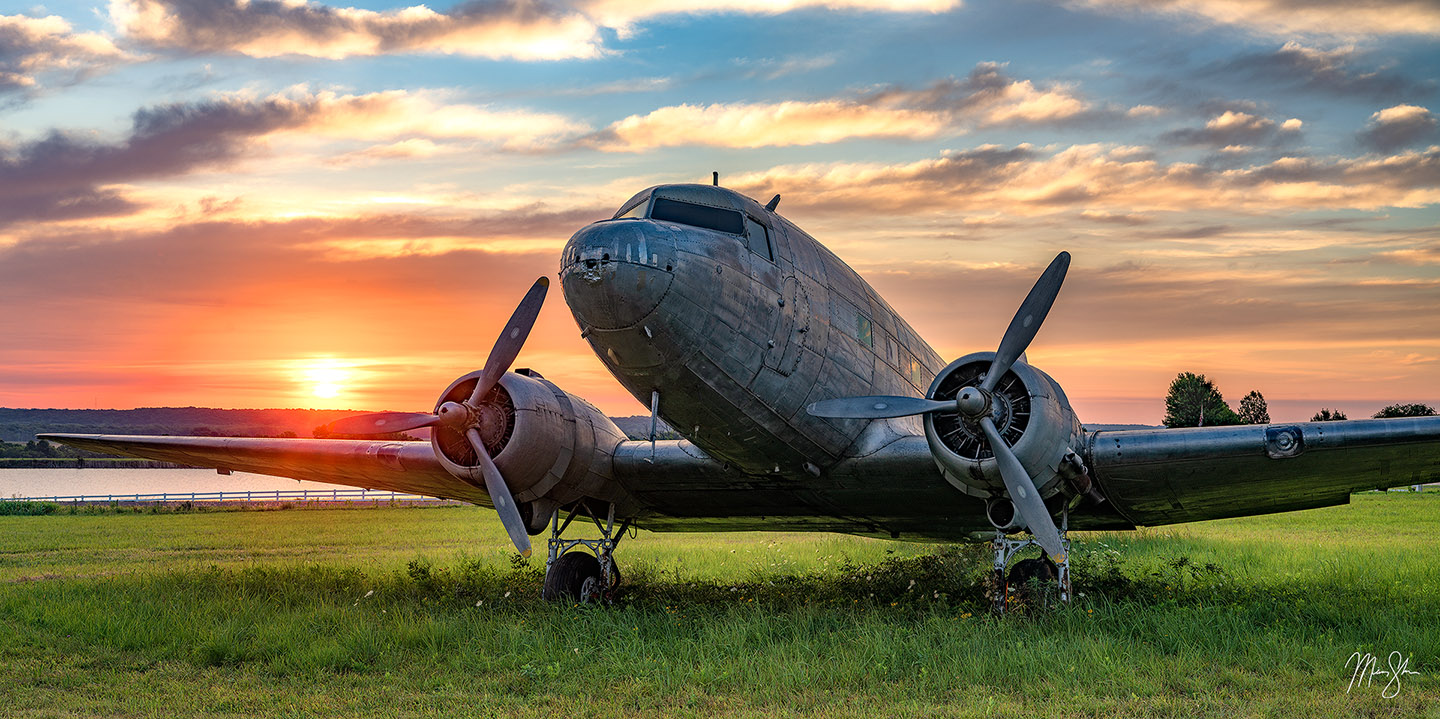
976,403
464,416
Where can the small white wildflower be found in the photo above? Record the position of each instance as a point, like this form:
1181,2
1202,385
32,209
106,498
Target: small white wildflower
506,594
369,594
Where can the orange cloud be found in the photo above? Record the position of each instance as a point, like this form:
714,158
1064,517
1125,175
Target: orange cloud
1023,181
32,46
953,106
70,175
1342,18
767,125
511,29
1399,126
518,30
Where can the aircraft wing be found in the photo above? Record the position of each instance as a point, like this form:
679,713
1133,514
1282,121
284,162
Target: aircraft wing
408,467
1167,476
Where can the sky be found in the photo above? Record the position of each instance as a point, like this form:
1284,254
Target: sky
278,203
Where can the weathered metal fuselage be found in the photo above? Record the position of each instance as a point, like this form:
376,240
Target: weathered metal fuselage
738,333
739,329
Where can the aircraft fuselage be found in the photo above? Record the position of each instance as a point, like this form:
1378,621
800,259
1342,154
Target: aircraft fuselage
738,326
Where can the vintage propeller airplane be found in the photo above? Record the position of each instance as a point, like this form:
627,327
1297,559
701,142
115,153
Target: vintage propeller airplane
805,403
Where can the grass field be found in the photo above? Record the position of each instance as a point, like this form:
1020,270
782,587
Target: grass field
421,612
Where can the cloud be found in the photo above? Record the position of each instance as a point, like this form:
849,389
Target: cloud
514,29
1234,131
1319,70
509,29
1024,181
987,97
1338,18
952,106
67,174
1398,126
35,46
623,14
765,125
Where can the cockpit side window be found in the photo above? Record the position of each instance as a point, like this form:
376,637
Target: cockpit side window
689,213
759,236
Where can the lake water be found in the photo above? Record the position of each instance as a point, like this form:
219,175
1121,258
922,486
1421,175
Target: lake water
92,481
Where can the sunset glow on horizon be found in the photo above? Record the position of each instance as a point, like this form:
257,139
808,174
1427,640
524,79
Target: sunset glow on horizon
277,204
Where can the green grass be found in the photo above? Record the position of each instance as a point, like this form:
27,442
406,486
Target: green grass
421,612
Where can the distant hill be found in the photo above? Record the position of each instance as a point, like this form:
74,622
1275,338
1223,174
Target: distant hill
21,425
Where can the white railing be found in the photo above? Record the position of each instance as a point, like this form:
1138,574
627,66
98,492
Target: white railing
274,495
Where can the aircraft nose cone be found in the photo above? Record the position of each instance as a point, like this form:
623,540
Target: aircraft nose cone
615,273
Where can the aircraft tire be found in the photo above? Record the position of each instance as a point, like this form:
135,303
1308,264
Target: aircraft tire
565,582
1040,569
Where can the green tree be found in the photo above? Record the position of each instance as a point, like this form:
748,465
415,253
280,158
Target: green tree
1253,409
1406,410
1193,401
1328,415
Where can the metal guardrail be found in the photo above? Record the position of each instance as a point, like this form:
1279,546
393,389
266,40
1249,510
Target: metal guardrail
276,495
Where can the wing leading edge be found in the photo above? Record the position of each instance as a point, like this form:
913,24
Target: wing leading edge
1167,476
397,466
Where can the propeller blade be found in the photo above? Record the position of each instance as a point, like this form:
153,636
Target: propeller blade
500,495
511,339
879,407
1023,493
1027,320
382,422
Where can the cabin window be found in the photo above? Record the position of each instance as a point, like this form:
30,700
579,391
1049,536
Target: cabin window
918,376
689,213
759,236
863,331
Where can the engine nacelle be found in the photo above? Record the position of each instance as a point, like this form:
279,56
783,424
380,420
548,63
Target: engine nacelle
552,447
1033,416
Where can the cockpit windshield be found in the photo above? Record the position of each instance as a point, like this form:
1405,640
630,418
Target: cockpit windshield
635,206
689,213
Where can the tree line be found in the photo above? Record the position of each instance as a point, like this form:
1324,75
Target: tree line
1194,401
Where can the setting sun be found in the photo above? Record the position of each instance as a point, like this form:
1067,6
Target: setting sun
324,377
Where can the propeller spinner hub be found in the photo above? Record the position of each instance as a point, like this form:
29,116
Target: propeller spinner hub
455,416
972,401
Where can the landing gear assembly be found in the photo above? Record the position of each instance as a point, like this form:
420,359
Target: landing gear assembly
574,575
1042,569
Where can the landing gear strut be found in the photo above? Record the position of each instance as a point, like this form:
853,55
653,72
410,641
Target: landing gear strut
575,575
1042,568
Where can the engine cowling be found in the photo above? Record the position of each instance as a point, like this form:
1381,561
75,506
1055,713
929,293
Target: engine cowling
1033,416
553,448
